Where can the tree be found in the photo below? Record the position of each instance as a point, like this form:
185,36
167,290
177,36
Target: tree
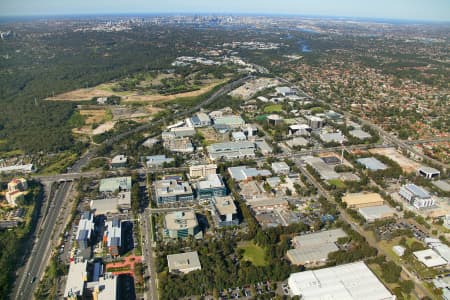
407,286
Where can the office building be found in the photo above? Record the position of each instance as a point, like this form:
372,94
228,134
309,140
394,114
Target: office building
281,168
172,190
274,119
76,280
225,211
200,119
360,134
299,129
113,236
315,122
243,173
115,184
231,150
183,262
429,173
416,196
119,161
85,230
211,187
181,224
157,161
202,170
112,204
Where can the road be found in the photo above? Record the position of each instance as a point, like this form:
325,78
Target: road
404,145
370,240
41,251
42,247
147,249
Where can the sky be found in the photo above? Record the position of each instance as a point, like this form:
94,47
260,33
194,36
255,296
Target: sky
426,10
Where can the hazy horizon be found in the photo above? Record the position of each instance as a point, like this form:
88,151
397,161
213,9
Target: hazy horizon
408,10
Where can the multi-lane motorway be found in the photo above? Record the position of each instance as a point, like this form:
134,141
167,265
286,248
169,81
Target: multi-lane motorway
28,278
42,248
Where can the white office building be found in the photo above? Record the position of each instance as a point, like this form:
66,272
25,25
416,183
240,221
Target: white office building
416,196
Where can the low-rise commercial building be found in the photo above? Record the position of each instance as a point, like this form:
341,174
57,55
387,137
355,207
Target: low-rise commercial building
183,262
243,173
213,186
372,163
297,142
428,172
231,121
286,91
85,230
181,224
299,129
332,137
225,211
416,196
113,236
172,190
202,170
76,280
315,122
115,184
231,150
359,200
313,249
373,213
325,171
430,258
157,160
200,119
112,204
281,168
119,161
360,134
354,281
179,144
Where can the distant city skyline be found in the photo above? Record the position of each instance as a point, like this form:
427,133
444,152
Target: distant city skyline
423,10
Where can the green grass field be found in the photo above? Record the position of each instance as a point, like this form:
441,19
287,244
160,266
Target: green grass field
337,182
254,254
273,108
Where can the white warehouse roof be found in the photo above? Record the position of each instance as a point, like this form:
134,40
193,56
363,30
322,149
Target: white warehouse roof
352,281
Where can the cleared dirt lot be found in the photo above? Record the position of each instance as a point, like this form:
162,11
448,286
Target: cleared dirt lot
105,90
405,163
93,115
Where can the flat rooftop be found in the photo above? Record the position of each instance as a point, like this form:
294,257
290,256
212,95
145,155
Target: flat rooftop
356,199
354,281
225,205
372,163
75,279
430,258
188,261
180,220
115,183
314,247
372,213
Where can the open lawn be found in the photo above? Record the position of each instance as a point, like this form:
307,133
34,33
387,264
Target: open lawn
337,183
254,254
273,108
